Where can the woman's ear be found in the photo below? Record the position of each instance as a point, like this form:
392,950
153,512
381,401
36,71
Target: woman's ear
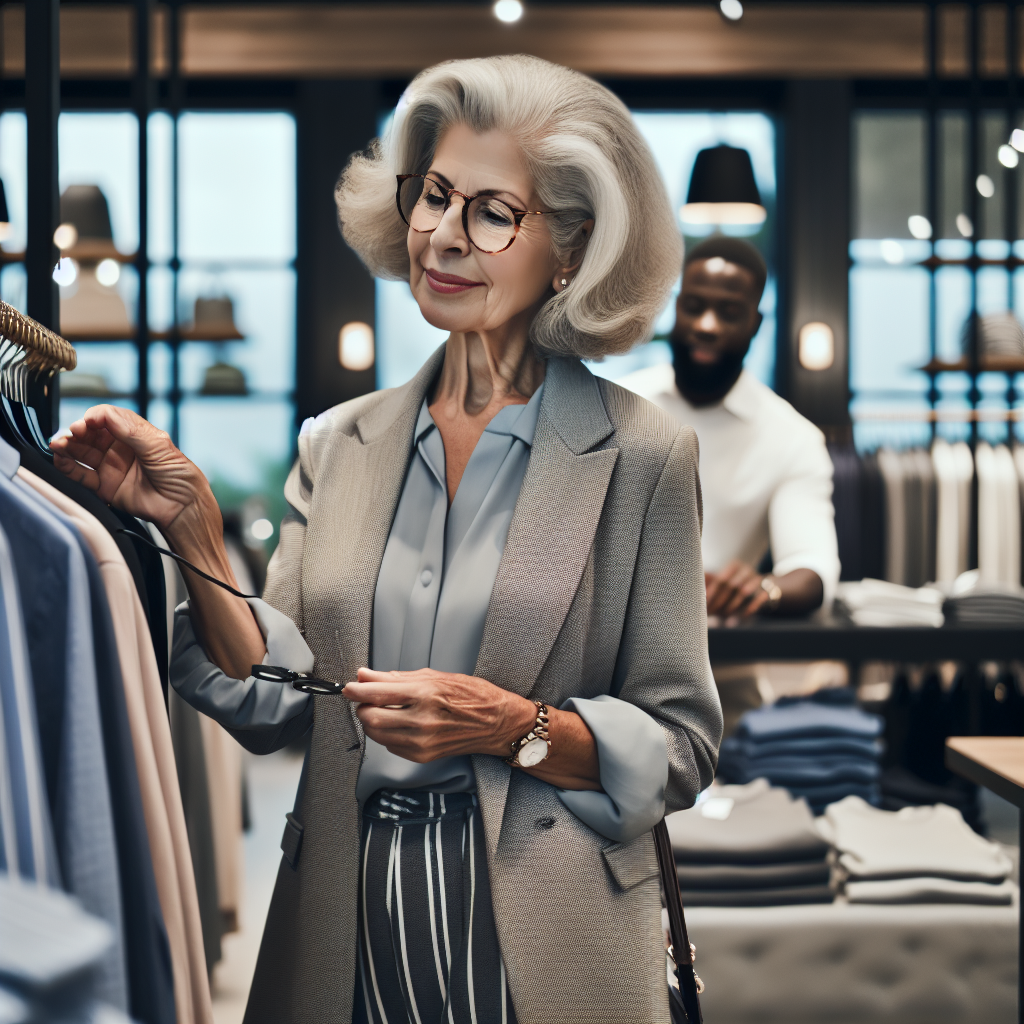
564,275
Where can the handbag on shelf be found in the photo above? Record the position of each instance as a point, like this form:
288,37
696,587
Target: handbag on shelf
684,996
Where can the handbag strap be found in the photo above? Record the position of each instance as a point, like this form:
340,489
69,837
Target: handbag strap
682,953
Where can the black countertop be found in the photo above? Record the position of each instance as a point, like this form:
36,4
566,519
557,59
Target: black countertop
819,638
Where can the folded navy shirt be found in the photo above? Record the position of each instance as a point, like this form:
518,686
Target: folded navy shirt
807,719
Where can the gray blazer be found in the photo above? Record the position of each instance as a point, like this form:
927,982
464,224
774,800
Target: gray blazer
600,590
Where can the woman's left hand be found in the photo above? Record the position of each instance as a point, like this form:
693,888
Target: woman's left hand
425,715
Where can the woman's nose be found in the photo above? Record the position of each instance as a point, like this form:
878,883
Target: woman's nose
450,236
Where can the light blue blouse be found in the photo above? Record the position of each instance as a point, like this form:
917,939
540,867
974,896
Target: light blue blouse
430,606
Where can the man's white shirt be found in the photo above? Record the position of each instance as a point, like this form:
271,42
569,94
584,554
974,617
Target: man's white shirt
765,474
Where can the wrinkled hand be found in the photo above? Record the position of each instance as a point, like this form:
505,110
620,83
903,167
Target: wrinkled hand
736,590
130,464
426,715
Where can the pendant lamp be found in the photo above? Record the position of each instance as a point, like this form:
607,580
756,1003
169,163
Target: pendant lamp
723,189
91,307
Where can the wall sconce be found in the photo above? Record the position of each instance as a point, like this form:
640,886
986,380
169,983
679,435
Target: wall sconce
816,348
355,346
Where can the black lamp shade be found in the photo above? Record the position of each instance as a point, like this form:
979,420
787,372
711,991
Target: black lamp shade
723,174
85,206
4,219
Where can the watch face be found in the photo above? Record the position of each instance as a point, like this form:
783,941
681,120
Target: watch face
533,753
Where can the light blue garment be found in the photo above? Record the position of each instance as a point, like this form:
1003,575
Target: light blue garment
27,848
83,817
430,606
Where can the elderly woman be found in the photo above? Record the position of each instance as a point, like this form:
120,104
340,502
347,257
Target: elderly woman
501,561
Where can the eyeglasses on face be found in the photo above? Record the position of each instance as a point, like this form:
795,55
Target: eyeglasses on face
490,224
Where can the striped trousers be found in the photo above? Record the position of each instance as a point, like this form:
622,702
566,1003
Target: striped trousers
428,949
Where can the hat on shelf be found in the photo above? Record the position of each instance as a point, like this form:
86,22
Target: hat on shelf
1000,336
213,319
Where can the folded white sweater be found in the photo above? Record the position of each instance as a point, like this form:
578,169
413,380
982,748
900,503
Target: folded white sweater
934,842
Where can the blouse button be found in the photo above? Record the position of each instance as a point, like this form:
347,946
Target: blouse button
425,577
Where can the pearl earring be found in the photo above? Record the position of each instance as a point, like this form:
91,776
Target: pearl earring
564,283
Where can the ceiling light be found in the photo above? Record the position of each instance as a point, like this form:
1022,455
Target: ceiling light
355,346
816,348
65,236
262,529
107,272
732,10
509,11
1017,140
892,251
986,186
1007,156
964,225
722,189
65,272
920,227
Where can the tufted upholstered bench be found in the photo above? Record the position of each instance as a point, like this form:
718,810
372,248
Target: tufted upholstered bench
845,964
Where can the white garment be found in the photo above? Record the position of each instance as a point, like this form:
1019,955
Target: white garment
931,890
998,515
932,842
954,470
880,603
765,474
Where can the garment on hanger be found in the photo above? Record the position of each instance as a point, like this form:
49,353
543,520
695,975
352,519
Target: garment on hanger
53,577
890,466
148,959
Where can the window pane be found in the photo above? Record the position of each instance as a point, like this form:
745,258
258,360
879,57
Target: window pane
237,186
889,175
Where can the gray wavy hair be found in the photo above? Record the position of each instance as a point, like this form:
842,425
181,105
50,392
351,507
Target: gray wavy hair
587,158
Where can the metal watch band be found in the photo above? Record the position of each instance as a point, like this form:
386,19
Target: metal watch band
539,731
770,585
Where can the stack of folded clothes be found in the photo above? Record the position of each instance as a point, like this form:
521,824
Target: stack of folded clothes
749,846
822,748
916,855
972,602
879,603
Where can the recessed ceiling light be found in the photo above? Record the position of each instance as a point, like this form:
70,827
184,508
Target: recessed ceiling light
732,10
509,11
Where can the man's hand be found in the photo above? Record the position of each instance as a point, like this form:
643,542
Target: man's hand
736,590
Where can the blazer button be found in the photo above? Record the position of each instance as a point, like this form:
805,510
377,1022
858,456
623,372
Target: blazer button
545,823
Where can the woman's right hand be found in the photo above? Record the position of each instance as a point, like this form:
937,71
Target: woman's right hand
132,465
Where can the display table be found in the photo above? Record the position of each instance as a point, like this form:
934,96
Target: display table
822,637
915,964
997,763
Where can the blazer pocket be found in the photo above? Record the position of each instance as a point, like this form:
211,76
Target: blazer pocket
291,841
631,863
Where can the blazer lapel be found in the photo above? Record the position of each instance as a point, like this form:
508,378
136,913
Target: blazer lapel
358,488
552,529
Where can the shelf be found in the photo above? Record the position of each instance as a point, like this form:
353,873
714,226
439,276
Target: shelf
84,252
191,334
986,364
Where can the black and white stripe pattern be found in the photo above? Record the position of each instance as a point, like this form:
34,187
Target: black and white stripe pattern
428,950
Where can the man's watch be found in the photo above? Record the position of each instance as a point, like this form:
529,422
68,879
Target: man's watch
770,585
534,747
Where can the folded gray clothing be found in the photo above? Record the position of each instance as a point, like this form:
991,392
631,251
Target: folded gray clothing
810,746
757,897
912,842
799,771
752,876
930,890
751,824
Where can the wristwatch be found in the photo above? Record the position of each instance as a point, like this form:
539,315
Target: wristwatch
770,585
531,749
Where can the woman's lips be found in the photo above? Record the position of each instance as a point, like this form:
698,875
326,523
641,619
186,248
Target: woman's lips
449,284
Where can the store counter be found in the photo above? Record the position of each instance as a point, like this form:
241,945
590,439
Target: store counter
907,964
820,638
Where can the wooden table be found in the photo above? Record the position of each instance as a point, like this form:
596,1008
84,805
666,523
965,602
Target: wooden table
997,763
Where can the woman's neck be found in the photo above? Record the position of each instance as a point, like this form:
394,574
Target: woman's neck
483,372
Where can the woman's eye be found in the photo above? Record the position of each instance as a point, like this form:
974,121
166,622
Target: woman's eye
496,215
433,201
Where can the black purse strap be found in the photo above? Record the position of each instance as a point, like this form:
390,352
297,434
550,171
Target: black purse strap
682,952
